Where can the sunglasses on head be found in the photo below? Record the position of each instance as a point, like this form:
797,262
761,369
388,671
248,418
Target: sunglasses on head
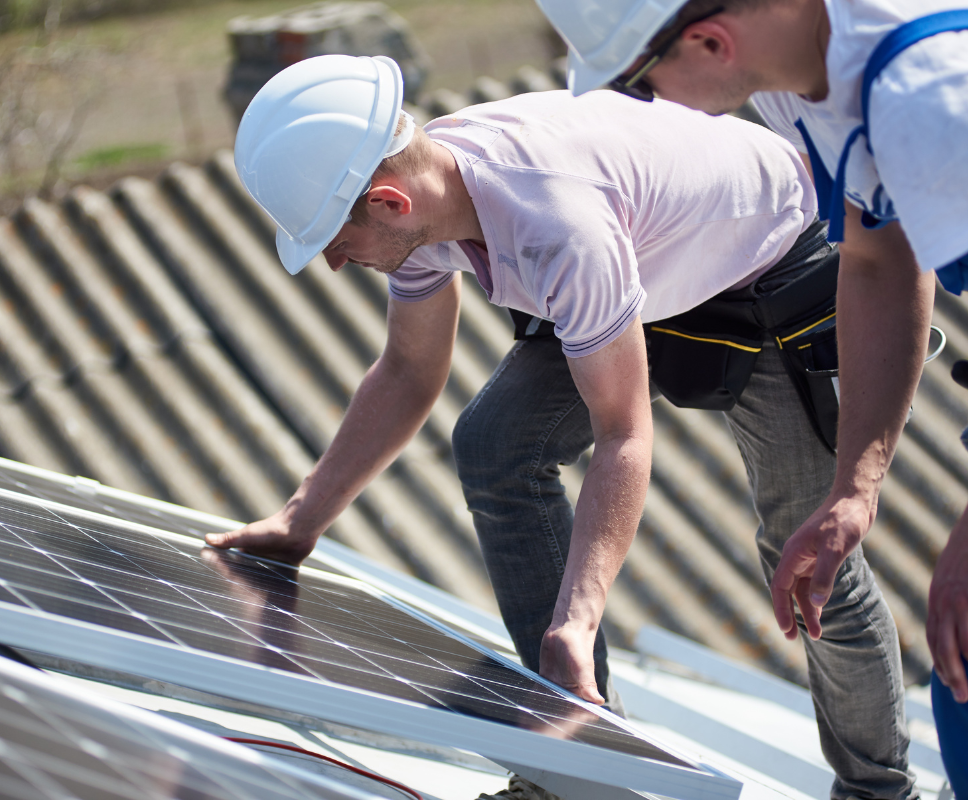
634,85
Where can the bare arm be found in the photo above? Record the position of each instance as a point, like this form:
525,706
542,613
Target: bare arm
614,384
884,307
393,400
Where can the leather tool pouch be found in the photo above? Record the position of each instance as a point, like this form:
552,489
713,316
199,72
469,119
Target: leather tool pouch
704,358
695,364
529,327
809,352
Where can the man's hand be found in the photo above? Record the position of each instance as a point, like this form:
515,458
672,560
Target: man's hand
947,625
812,557
275,537
566,660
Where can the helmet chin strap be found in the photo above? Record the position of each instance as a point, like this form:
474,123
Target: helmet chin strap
402,139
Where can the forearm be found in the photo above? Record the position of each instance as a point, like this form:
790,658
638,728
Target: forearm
388,409
392,402
883,316
606,519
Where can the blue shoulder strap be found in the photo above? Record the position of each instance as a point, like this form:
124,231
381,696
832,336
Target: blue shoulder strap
890,46
821,178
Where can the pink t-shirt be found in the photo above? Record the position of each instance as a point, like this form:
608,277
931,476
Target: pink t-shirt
600,209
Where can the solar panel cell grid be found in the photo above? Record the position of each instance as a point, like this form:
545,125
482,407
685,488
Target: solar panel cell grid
305,623
102,500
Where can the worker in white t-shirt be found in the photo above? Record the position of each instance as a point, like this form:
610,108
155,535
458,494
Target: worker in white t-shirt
593,215
874,93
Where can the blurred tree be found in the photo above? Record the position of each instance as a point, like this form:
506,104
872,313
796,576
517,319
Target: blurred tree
35,140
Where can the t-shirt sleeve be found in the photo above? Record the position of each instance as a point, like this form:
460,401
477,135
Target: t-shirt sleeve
579,267
918,133
421,276
779,112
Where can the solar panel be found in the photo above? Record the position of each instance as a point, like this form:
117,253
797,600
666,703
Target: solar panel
55,743
93,496
98,590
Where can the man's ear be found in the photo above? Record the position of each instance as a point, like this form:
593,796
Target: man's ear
388,200
709,38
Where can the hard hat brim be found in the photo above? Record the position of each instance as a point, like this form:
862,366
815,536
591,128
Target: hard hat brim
295,255
583,78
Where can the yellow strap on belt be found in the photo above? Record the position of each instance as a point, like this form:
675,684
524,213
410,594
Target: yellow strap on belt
804,330
711,341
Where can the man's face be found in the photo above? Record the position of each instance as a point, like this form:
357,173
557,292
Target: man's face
374,244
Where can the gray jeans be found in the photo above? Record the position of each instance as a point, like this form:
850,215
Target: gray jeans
530,418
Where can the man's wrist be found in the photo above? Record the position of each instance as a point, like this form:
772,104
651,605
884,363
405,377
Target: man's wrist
580,619
860,486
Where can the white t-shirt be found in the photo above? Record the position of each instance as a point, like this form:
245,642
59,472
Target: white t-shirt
918,123
601,209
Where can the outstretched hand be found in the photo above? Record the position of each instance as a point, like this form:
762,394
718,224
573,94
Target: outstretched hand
566,660
811,559
947,625
275,537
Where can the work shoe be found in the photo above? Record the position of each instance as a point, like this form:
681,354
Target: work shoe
520,789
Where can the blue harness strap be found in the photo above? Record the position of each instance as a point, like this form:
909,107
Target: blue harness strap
821,178
830,191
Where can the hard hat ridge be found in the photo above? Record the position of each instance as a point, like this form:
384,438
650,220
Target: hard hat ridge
605,37
309,143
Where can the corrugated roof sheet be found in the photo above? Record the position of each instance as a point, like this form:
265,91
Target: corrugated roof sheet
151,341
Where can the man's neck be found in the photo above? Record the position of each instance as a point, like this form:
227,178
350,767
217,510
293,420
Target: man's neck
451,211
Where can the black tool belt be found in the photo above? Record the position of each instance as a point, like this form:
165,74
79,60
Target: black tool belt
704,357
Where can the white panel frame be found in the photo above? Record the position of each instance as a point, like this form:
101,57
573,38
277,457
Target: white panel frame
649,706
657,642
652,640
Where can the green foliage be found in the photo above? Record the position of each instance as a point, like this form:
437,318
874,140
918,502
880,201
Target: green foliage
121,154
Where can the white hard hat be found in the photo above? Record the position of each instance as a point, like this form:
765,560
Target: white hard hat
605,37
310,141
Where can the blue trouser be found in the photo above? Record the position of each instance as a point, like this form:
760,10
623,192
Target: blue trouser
951,720
530,418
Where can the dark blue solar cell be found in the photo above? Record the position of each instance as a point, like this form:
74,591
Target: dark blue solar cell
96,615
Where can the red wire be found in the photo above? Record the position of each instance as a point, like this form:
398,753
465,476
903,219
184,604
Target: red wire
358,771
